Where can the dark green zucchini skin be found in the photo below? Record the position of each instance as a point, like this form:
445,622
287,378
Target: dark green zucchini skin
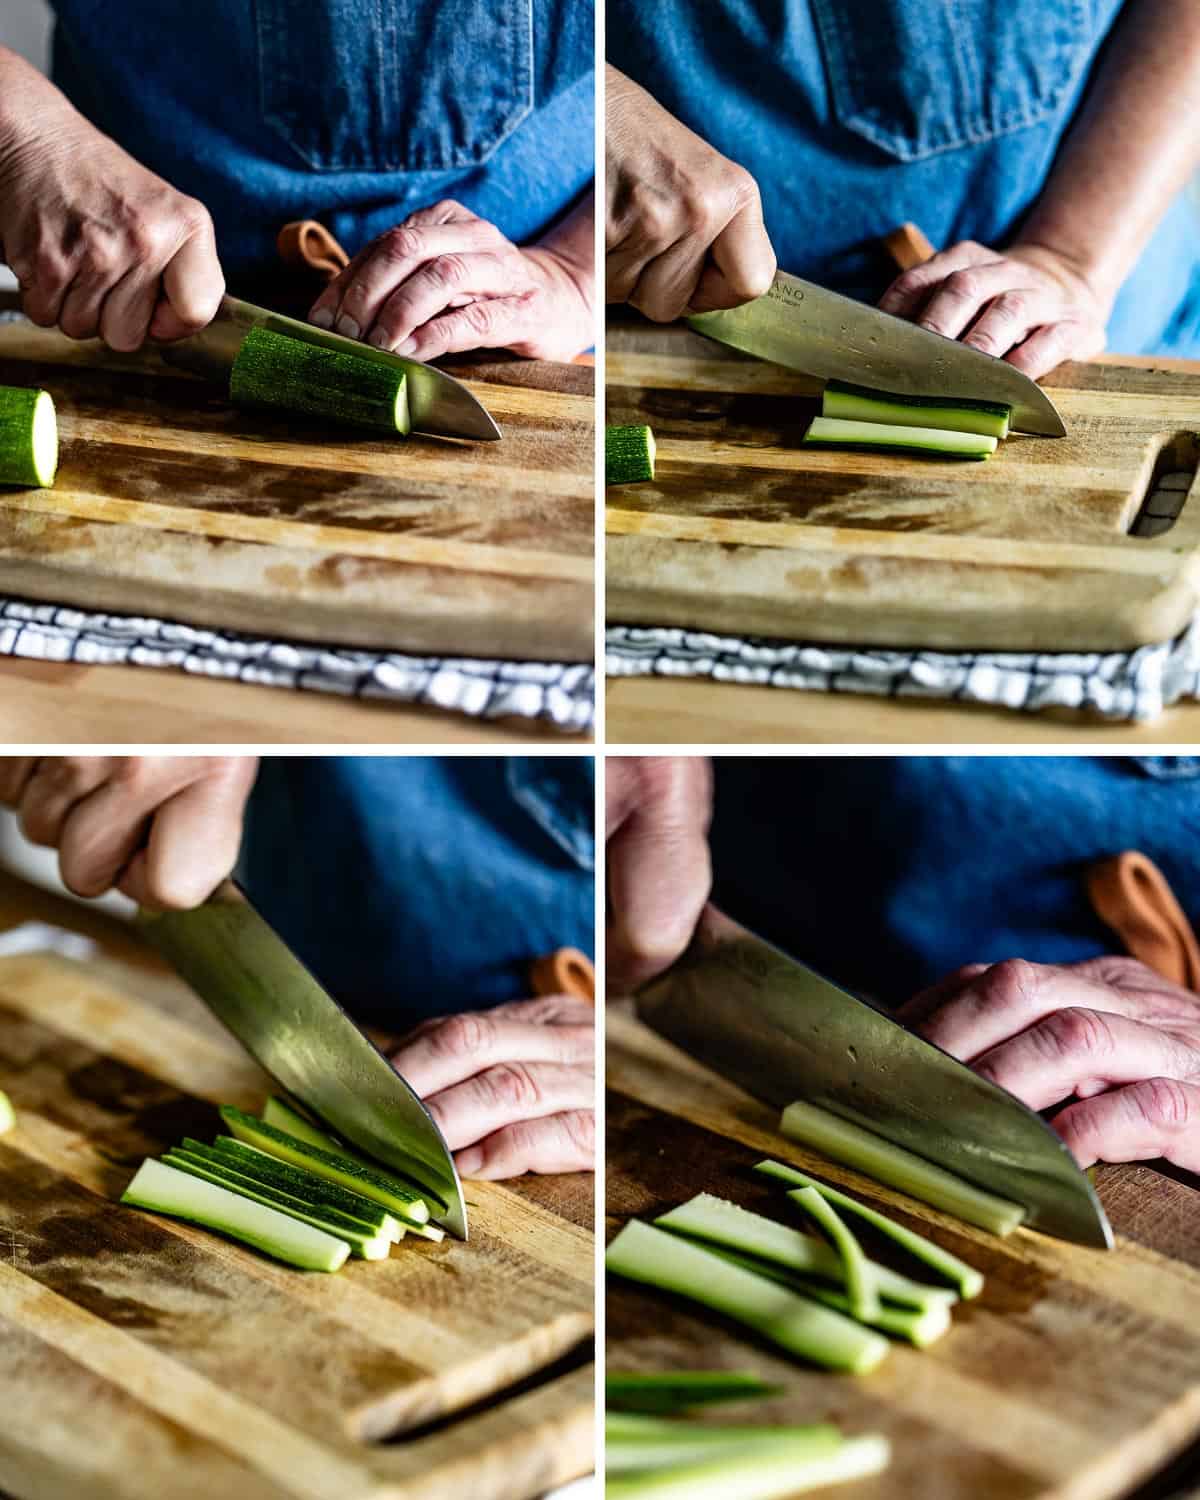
959,403
291,375
628,454
21,462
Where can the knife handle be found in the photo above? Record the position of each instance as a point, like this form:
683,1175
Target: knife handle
908,247
566,971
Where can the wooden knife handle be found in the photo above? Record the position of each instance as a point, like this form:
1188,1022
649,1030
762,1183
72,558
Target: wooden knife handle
908,247
566,971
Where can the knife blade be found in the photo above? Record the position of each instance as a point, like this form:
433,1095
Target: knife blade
809,328
249,978
782,1031
437,402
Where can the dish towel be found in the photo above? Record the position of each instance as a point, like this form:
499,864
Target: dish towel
1115,684
561,694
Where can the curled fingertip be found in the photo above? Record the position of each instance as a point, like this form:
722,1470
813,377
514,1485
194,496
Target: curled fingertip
469,1161
321,317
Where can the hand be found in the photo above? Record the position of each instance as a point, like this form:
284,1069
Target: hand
685,228
98,244
447,280
512,1088
659,870
1108,1035
1028,305
164,830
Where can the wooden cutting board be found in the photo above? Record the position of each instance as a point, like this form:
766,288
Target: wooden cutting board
141,1357
1074,1375
744,531
171,502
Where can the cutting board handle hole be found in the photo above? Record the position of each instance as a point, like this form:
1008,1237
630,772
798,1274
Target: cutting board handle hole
1171,481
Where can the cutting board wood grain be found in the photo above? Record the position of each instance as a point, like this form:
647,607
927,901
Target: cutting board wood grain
1072,1377
170,501
742,530
142,1357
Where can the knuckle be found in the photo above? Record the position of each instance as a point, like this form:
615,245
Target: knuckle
1012,982
964,284
450,206
463,1035
447,270
652,213
513,1087
911,280
1075,1030
402,243
1166,1103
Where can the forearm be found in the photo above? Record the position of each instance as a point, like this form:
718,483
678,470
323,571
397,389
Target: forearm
26,97
572,242
1133,146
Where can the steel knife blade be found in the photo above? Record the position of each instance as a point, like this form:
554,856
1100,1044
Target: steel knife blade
782,1031
822,333
249,978
437,402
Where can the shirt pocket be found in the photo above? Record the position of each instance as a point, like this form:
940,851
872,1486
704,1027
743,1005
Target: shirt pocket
394,85
917,77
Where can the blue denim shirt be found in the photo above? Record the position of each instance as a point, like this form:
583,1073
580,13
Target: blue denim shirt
887,872
415,886
355,112
857,115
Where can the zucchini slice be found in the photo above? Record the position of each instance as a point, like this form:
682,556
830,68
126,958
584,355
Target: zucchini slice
678,1390
406,1202
28,437
768,1472
798,1324
301,1183
632,1442
167,1190
835,432
857,403
966,1278
628,455
8,1116
362,1241
855,1146
861,1291
273,370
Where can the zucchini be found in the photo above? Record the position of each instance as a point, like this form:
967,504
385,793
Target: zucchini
768,1472
8,1116
920,1326
299,1182
407,1203
648,1443
707,1218
274,370
677,1390
854,1146
281,1114
167,1190
628,455
28,437
966,1278
835,432
363,1241
857,403
798,1324
861,1291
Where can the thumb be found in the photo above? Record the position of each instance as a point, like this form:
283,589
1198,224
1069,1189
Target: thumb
193,843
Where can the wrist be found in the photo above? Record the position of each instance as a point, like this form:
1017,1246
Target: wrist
568,270
1098,273
33,113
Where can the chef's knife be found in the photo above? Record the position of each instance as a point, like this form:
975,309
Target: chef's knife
251,980
783,1032
436,401
808,328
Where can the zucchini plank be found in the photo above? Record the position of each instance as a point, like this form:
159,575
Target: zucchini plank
857,403
274,370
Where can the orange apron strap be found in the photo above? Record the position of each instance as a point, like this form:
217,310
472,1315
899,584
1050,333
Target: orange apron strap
566,971
908,247
305,244
1130,894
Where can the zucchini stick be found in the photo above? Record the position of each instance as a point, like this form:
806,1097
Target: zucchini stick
798,1324
766,1473
854,1146
856,403
628,455
707,1218
966,1278
677,1390
936,442
861,1291
660,1444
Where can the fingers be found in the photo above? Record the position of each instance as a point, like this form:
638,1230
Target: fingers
510,1093
667,284
192,287
923,1004
659,869
128,309
910,289
955,304
1155,1117
742,263
1046,348
79,315
1077,1050
558,1143
489,323
56,787
455,1048
15,774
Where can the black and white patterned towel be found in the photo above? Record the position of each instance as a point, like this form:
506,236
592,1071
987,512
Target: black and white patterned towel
556,693
1117,684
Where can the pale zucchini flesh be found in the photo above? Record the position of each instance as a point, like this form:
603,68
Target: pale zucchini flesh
803,1327
281,1114
8,1116
28,437
966,1278
857,403
862,1294
262,1166
855,1146
662,1443
836,432
767,1473
167,1190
